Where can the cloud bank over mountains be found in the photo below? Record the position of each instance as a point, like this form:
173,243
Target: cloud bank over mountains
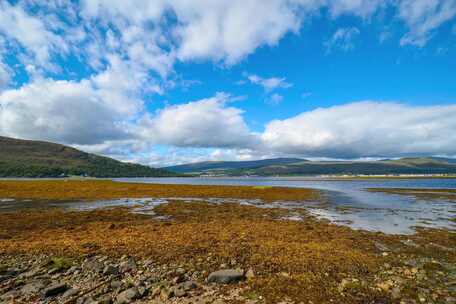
130,49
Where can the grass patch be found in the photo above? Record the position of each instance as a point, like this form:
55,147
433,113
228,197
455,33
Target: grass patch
262,187
60,263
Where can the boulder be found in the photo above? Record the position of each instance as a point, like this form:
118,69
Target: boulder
226,276
55,289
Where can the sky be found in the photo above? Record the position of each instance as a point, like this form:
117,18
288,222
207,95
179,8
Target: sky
167,82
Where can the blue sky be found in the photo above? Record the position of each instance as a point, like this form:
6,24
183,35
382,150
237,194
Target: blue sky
172,81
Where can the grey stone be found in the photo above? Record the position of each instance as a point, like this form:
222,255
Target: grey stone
105,299
226,276
189,285
32,288
127,296
111,270
128,266
116,284
381,247
70,293
93,265
55,289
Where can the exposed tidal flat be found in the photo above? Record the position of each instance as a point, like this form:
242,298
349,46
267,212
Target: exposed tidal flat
87,241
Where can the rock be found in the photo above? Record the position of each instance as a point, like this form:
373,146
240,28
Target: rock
180,271
128,266
143,291
116,284
30,273
93,265
53,271
178,279
381,247
111,270
70,293
127,296
9,296
189,285
226,276
106,299
32,288
55,289
71,270
180,293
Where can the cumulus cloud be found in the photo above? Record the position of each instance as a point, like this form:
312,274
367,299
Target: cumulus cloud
365,129
342,39
208,122
225,30
85,112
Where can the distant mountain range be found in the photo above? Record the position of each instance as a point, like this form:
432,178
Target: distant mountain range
294,166
28,158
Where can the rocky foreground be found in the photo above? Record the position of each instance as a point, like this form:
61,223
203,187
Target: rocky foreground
100,279
103,280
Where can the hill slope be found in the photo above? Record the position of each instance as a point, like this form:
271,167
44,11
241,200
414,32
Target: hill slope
27,158
229,165
428,165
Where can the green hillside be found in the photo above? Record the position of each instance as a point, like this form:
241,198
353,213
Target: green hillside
229,165
27,158
428,165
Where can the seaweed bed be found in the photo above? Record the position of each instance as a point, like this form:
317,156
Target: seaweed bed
447,194
311,261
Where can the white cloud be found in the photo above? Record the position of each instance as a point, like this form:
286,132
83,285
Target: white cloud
423,17
203,123
269,84
225,30
362,8
342,39
4,75
275,99
30,32
365,129
90,111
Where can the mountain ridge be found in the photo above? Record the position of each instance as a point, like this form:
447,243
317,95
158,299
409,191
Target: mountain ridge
296,166
31,158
